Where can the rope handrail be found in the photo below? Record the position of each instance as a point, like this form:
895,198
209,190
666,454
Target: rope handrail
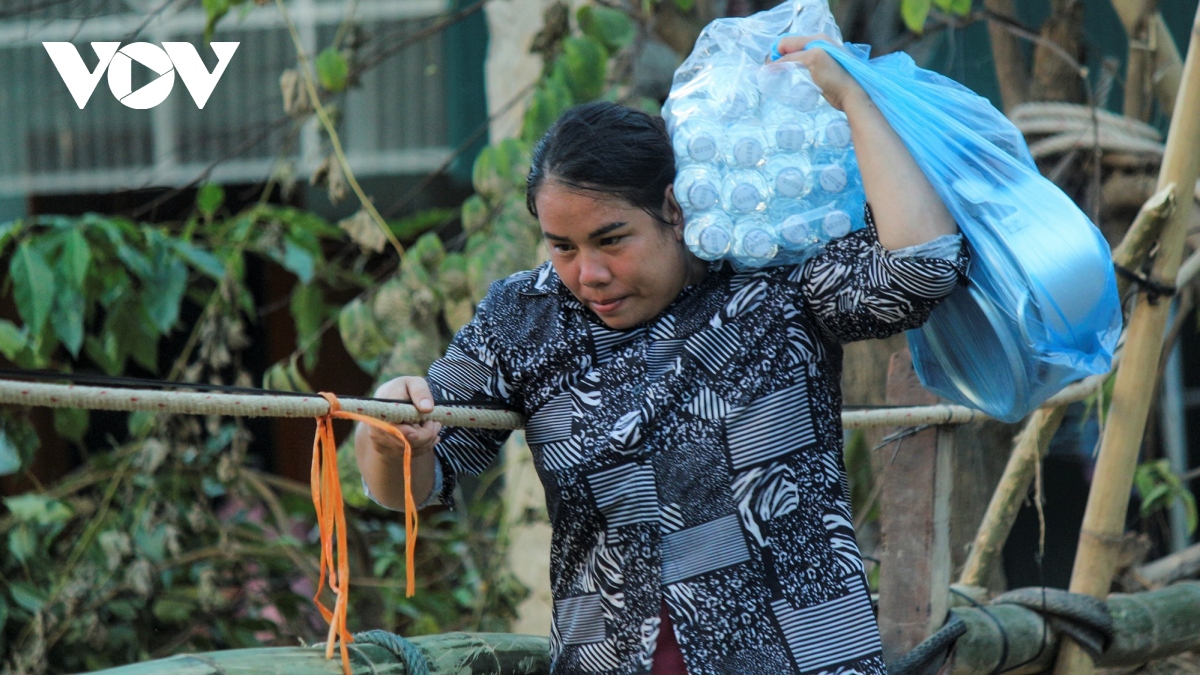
18,392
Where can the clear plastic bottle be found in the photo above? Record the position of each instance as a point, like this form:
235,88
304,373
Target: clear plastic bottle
836,222
697,140
709,235
753,243
744,145
834,177
744,191
787,131
791,176
698,187
799,228
831,130
791,85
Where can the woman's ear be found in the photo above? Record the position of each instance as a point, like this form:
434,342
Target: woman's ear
672,212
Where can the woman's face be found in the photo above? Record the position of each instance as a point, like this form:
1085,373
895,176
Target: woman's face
614,257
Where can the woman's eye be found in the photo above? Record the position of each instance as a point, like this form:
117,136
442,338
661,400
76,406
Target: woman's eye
563,248
609,241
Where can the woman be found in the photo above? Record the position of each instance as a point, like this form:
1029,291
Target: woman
684,418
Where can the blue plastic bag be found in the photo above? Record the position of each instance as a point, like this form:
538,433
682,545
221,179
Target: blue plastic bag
1041,308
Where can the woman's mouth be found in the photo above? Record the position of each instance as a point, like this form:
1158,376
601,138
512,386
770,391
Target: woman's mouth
606,306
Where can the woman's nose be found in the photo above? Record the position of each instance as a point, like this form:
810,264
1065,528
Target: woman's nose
592,270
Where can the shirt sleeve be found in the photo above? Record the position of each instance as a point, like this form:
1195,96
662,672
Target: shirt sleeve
857,289
469,371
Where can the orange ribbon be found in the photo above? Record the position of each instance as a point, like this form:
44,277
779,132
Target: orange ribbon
331,519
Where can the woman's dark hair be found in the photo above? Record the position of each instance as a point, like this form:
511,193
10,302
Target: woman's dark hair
608,148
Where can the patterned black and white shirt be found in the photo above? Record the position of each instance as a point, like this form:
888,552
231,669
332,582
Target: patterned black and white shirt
696,459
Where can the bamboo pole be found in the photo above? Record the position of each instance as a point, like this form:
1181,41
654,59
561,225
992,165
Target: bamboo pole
1137,67
1108,500
1034,439
1163,64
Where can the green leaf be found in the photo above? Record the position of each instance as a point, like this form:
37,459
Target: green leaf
27,597
33,286
164,291
360,334
411,227
10,457
1158,497
309,311
213,10
22,543
285,376
611,27
19,443
685,5
37,508
333,71
206,263
173,610
12,339
956,7
914,13
209,198
583,64
129,332
105,352
71,423
135,260
140,422
548,103
75,259
67,319
298,261
9,230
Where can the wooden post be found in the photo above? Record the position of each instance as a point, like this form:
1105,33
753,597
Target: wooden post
914,510
1104,519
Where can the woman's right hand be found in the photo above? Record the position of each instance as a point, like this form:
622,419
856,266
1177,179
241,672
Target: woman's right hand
422,437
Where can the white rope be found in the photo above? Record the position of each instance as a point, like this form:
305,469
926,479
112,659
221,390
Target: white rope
239,405
16,392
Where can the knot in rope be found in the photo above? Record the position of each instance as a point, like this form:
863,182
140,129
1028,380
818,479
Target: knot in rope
327,499
1084,618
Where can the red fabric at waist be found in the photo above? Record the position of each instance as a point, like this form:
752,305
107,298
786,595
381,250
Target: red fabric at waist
668,659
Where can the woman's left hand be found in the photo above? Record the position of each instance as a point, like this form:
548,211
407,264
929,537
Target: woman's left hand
836,84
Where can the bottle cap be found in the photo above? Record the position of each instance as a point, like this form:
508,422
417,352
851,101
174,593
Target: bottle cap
837,133
790,182
745,197
702,148
837,224
794,230
790,137
747,151
702,195
757,244
714,241
833,178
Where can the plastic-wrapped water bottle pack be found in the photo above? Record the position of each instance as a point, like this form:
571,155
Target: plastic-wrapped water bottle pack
765,166
766,174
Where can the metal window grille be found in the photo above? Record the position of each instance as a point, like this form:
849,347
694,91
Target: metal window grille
48,145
